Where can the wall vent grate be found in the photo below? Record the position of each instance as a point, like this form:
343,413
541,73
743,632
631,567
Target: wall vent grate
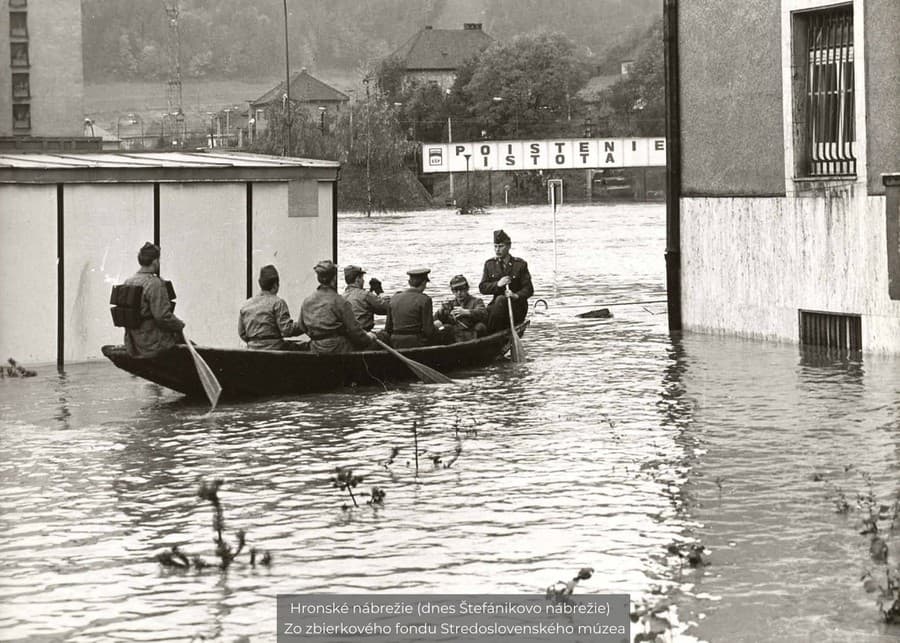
831,330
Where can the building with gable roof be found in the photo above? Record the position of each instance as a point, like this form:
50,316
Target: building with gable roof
435,55
320,100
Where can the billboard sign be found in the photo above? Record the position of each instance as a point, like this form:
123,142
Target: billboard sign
547,154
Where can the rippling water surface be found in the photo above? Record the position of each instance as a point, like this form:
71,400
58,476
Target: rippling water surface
612,442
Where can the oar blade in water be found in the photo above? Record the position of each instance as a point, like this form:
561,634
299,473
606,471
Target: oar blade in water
207,378
424,373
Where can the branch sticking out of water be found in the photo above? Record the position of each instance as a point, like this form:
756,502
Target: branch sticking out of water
344,479
15,370
177,559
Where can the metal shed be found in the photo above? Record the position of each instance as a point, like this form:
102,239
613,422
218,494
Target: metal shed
71,226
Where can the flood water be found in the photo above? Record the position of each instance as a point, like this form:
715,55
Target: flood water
611,443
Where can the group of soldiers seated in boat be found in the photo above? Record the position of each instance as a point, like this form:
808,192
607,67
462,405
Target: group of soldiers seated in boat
336,322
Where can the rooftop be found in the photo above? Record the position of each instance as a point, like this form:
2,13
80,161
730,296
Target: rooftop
433,49
304,89
158,166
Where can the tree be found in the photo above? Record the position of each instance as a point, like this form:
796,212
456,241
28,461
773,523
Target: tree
521,87
389,78
368,142
636,104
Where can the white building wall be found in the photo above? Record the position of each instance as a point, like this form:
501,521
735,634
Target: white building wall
103,230
749,264
28,273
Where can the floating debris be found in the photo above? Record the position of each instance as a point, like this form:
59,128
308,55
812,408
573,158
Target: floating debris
15,370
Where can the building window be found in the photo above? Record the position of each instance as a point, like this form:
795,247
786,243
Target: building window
18,52
825,117
20,86
18,24
18,4
21,117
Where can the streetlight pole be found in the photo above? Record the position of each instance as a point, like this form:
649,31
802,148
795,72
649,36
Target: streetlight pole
468,193
322,119
287,86
450,140
368,150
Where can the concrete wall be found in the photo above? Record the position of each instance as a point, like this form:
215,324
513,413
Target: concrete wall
882,20
731,110
749,264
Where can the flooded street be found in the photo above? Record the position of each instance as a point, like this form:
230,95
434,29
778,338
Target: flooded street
611,443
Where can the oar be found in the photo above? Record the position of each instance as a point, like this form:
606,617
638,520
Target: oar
516,351
424,373
207,378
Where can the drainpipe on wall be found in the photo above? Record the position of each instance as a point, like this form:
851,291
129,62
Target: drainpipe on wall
673,165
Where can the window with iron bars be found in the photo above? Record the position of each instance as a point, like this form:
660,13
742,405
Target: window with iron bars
825,115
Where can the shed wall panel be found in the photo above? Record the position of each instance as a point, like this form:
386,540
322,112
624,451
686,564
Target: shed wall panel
288,243
28,273
203,238
731,108
104,228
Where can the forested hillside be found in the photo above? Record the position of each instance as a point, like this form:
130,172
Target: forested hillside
128,39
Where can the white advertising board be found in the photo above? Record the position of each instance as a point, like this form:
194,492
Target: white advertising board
550,154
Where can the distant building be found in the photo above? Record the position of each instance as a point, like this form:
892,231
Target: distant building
789,122
435,55
42,80
321,101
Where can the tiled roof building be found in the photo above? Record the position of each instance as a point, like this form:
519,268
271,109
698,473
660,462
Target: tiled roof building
434,55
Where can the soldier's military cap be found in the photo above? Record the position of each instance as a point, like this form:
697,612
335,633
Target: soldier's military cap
419,272
352,272
459,281
501,237
325,267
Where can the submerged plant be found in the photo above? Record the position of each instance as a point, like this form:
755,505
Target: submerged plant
175,558
376,496
343,478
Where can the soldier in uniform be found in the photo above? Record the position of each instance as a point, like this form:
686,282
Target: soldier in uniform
328,318
465,316
410,320
159,329
505,277
264,320
365,303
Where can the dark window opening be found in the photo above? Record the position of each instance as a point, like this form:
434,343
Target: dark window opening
18,24
21,117
18,54
20,86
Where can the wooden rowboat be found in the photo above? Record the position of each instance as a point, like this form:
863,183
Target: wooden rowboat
245,373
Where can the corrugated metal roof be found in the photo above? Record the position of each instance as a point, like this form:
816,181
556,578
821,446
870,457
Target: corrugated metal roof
209,160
